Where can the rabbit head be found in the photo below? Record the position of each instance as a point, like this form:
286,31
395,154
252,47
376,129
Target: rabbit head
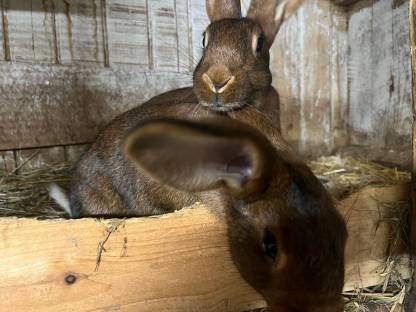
286,238
235,61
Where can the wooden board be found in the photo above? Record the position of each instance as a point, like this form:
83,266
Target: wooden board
379,74
177,262
412,26
55,105
310,73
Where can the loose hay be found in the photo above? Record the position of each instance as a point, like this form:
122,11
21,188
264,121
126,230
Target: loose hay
25,194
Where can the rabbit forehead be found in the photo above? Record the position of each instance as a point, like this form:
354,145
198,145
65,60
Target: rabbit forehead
232,32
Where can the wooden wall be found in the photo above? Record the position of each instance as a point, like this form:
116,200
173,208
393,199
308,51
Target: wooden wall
69,66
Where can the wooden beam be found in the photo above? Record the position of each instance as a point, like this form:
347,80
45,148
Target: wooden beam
177,262
412,24
43,105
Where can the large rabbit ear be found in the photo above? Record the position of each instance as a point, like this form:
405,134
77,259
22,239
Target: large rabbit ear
202,156
220,9
270,14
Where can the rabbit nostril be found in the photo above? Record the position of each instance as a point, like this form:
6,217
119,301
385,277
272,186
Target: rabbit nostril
218,87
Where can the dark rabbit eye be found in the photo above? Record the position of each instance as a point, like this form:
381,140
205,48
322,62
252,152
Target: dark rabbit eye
203,40
260,43
270,245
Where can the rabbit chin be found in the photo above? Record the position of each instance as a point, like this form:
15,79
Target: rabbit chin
222,107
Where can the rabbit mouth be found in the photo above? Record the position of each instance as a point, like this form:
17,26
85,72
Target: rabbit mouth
222,107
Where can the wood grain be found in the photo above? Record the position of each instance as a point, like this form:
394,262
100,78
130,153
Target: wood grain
176,262
153,264
2,32
412,25
67,105
379,74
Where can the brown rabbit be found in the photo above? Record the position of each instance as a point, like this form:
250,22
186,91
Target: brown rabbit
286,237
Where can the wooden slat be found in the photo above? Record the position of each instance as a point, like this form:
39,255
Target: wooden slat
412,25
185,63
163,33
7,161
58,105
127,31
29,159
2,43
79,30
367,213
198,22
177,262
379,74
144,268
315,88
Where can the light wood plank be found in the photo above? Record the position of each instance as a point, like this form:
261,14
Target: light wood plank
141,253
185,63
79,31
2,42
128,33
164,35
379,74
143,268
198,22
314,78
67,105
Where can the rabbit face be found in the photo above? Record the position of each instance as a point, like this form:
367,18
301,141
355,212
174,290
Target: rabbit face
234,65
289,245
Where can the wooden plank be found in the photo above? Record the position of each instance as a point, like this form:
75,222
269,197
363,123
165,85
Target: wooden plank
2,42
198,22
367,213
379,74
284,65
185,63
143,268
79,31
30,159
127,33
7,161
314,78
344,2
67,105
163,34
20,30
141,253
412,25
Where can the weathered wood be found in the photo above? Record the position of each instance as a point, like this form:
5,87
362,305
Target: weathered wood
79,31
344,2
7,161
2,31
372,235
379,75
198,22
67,105
185,63
310,74
29,159
412,25
127,32
177,262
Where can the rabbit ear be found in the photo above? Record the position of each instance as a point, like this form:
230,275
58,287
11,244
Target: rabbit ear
270,14
220,9
202,156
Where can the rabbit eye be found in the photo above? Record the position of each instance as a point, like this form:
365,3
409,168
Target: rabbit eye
270,245
204,37
260,43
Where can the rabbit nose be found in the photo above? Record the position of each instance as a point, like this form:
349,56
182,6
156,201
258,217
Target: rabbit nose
218,87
